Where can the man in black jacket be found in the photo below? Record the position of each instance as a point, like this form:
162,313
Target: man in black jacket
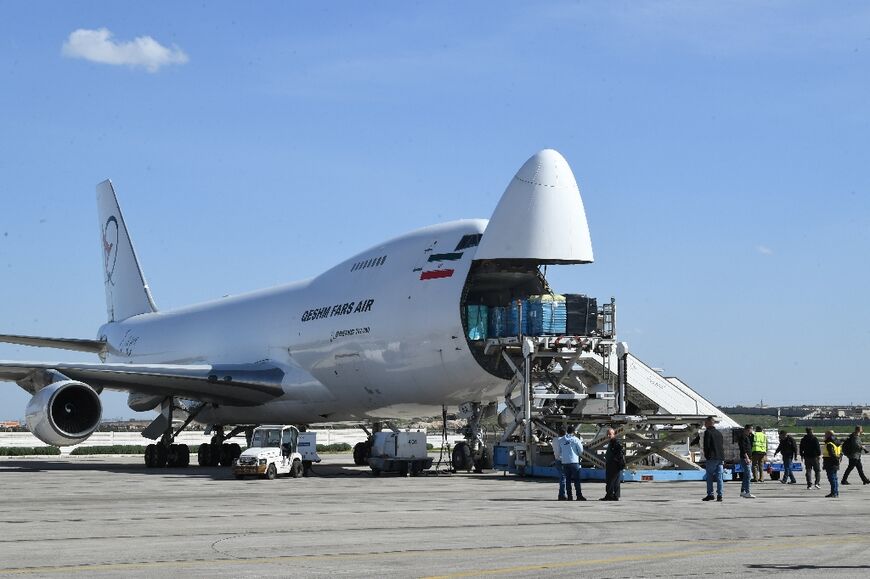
744,444
853,449
614,463
810,451
788,448
714,456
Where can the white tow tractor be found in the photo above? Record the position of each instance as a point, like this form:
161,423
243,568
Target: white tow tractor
275,450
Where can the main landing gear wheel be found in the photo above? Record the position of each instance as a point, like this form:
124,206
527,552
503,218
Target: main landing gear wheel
203,455
461,457
178,455
211,454
484,461
150,450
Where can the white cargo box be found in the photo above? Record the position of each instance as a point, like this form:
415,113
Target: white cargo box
402,445
307,446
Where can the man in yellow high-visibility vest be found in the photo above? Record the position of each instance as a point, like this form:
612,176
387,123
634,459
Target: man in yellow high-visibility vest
759,454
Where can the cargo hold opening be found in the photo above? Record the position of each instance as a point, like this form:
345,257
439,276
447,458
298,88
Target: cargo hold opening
506,298
497,284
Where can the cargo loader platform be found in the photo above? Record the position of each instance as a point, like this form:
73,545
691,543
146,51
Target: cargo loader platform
594,380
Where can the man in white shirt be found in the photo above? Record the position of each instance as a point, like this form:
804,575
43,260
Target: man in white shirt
570,449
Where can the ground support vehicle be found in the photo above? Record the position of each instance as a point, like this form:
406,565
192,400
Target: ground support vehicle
404,453
274,451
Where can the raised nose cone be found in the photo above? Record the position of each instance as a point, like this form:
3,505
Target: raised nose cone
540,216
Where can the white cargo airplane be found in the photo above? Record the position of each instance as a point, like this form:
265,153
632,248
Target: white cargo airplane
379,336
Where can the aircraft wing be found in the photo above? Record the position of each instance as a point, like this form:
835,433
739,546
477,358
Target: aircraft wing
78,344
240,385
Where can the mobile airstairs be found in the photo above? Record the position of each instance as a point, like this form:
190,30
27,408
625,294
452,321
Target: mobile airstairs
593,381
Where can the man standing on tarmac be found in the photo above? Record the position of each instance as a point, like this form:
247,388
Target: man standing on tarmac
557,455
744,444
759,454
831,463
570,449
614,462
810,453
714,456
853,449
788,448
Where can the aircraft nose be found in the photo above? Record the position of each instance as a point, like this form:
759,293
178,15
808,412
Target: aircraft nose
540,216
549,169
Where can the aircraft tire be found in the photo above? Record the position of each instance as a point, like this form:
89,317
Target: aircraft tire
183,455
226,455
461,457
172,458
161,456
149,455
484,462
214,457
203,455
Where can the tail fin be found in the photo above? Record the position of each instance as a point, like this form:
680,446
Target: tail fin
127,293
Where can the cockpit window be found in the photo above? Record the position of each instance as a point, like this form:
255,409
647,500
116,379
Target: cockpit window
471,240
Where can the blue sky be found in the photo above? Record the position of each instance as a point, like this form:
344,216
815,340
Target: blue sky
721,149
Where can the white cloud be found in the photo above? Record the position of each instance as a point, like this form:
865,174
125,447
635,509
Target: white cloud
763,250
99,46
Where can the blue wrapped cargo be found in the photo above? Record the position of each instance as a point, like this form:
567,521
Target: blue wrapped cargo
512,320
476,316
546,315
497,317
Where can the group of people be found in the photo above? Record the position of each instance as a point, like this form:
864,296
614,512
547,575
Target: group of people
753,452
752,445
567,449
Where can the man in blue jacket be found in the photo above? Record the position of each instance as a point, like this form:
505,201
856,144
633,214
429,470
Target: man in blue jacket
557,456
570,449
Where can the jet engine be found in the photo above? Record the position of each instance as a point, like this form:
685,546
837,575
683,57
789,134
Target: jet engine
64,413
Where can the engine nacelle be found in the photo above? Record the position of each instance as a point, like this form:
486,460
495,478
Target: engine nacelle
64,413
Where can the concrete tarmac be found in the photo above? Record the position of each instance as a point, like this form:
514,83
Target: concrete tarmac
109,517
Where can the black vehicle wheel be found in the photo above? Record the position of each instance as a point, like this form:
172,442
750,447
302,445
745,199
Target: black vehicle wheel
203,455
461,457
271,472
361,451
184,455
160,456
150,450
296,469
416,468
235,451
376,472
